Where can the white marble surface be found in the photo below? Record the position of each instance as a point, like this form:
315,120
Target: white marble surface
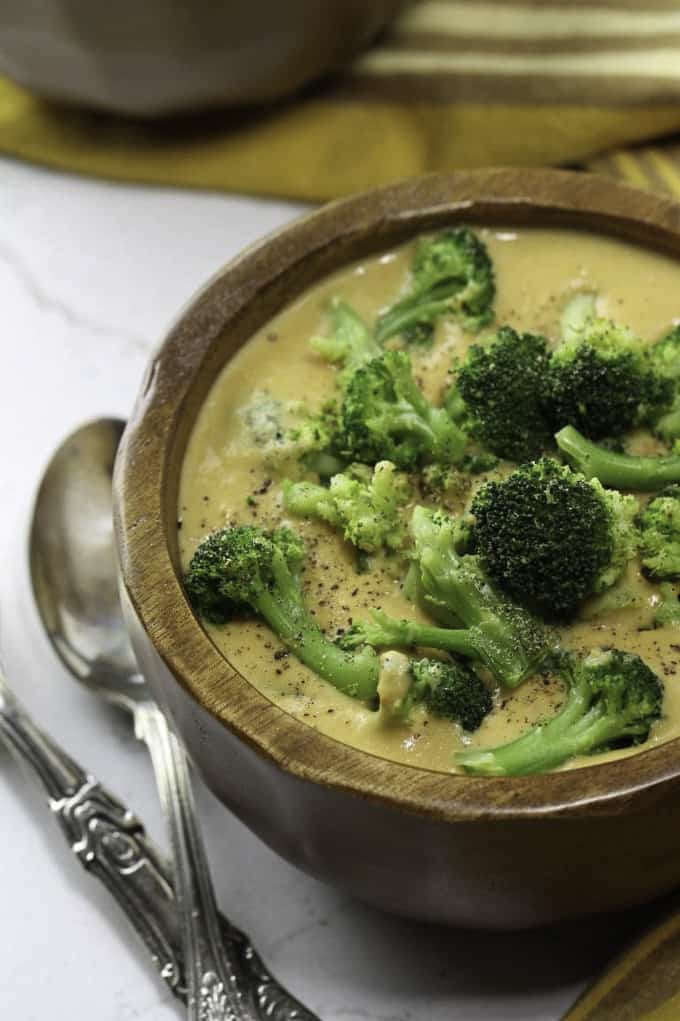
90,276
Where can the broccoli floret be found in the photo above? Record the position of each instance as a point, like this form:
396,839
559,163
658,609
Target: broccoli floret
612,701
351,343
579,310
364,506
287,431
451,690
664,357
497,396
310,441
600,379
444,483
667,426
549,537
659,524
246,568
447,688
385,416
505,638
668,607
620,471
420,335
479,463
452,275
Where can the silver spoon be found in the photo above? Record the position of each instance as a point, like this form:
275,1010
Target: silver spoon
74,580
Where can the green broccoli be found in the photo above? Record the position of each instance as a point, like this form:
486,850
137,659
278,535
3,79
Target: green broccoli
577,313
620,471
452,275
364,506
288,430
479,463
664,357
668,607
244,567
351,343
385,416
447,688
420,335
549,537
613,699
600,379
667,425
659,525
444,484
505,638
452,691
497,396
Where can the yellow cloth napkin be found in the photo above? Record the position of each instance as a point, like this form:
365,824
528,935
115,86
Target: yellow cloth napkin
453,83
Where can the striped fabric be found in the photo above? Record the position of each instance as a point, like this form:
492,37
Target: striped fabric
653,167
621,53
452,83
452,50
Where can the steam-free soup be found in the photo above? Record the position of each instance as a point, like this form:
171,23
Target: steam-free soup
226,479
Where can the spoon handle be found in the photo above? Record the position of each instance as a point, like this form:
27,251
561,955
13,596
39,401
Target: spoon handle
106,838
110,844
226,980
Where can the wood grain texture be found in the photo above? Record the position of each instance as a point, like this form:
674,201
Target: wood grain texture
607,836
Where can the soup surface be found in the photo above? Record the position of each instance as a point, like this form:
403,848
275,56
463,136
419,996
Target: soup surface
226,479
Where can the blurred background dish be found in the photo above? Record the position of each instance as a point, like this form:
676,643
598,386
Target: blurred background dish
167,56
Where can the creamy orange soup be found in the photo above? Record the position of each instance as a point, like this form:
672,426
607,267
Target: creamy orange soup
225,479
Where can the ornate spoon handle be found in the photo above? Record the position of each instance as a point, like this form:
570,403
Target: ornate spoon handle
226,979
111,844
216,987
106,838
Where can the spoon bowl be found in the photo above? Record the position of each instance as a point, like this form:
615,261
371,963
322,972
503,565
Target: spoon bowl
73,564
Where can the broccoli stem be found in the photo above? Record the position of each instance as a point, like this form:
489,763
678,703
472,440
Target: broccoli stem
546,746
390,631
579,309
306,499
442,578
403,315
621,471
489,642
668,609
284,610
351,342
613,697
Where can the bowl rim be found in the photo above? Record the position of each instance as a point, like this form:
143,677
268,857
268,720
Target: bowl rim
294,257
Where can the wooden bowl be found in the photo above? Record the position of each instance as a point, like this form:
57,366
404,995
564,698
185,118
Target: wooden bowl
501,852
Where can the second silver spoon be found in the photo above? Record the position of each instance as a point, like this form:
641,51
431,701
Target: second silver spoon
74,580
